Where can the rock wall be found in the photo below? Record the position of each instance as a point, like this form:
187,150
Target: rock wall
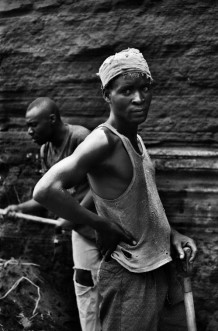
55,47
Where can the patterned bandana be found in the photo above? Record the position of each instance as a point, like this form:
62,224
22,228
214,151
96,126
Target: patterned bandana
128,60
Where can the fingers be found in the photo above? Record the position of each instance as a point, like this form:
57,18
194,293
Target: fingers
108,253
109,239
192,246
180,241
7,211
10,213
180,250
107,247
11,210
128,238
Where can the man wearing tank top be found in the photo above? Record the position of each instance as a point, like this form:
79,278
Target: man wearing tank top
135,279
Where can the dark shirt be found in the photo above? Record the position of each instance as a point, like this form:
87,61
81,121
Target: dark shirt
49,156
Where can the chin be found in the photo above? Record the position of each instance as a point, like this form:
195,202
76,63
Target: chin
139,120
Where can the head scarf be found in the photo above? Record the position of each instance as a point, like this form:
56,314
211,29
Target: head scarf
128,60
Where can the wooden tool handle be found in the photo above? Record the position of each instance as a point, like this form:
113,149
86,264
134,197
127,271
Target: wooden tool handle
187,266
190,311
188,296
30,217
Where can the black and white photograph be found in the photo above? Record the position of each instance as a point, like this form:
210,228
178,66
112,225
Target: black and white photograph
108,165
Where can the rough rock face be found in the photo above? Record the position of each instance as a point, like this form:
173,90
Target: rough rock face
55,47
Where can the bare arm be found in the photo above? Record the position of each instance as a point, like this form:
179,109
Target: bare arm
51,190
27,207
87,201
86,231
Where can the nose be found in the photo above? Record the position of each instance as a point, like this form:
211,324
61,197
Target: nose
138,97
30,131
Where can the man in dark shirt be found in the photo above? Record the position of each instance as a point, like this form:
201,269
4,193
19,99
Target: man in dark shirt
58,140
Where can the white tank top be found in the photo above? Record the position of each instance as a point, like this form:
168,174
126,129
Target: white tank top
140,211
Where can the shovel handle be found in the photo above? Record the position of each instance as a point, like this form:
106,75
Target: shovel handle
30,217
190,311
188,296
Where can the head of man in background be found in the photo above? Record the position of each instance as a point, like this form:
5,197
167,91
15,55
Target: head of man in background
44,121
57,140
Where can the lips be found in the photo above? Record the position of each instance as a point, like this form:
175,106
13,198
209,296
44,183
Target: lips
139,107
139,110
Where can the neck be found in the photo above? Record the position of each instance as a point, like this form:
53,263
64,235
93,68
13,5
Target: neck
127,129
59,136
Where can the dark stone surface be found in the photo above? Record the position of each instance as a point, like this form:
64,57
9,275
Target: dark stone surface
55,47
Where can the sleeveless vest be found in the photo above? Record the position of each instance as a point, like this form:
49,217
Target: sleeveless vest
139,211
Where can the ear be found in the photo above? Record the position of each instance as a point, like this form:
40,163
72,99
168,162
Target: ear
52,118
106,95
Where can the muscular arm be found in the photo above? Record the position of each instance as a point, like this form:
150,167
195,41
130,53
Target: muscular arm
86,231
51,190
27,207
87,201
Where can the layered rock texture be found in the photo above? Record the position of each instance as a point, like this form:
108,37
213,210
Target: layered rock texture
55,47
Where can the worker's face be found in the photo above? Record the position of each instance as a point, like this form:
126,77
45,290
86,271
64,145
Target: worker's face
39,125
130,97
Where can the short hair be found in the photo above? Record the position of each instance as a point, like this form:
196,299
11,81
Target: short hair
45,102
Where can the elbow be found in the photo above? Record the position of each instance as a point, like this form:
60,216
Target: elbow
40,193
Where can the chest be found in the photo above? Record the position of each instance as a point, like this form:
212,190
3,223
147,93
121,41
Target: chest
112,177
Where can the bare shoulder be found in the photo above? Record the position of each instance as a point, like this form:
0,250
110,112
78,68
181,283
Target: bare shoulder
104,136
99,142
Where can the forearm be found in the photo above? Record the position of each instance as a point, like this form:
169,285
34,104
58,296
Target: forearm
27,207
61,203
173,232
31,207
87,201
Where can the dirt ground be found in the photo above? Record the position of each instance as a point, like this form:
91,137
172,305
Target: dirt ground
36,287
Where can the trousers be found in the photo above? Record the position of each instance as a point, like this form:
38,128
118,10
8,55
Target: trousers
138,301
86,257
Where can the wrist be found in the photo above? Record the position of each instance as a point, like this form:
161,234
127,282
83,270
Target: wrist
173,232
21,208
100,224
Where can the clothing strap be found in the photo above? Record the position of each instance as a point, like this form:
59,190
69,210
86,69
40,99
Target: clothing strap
124,139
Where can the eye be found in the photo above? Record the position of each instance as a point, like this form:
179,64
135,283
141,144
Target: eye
31,125
146,88
127,91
